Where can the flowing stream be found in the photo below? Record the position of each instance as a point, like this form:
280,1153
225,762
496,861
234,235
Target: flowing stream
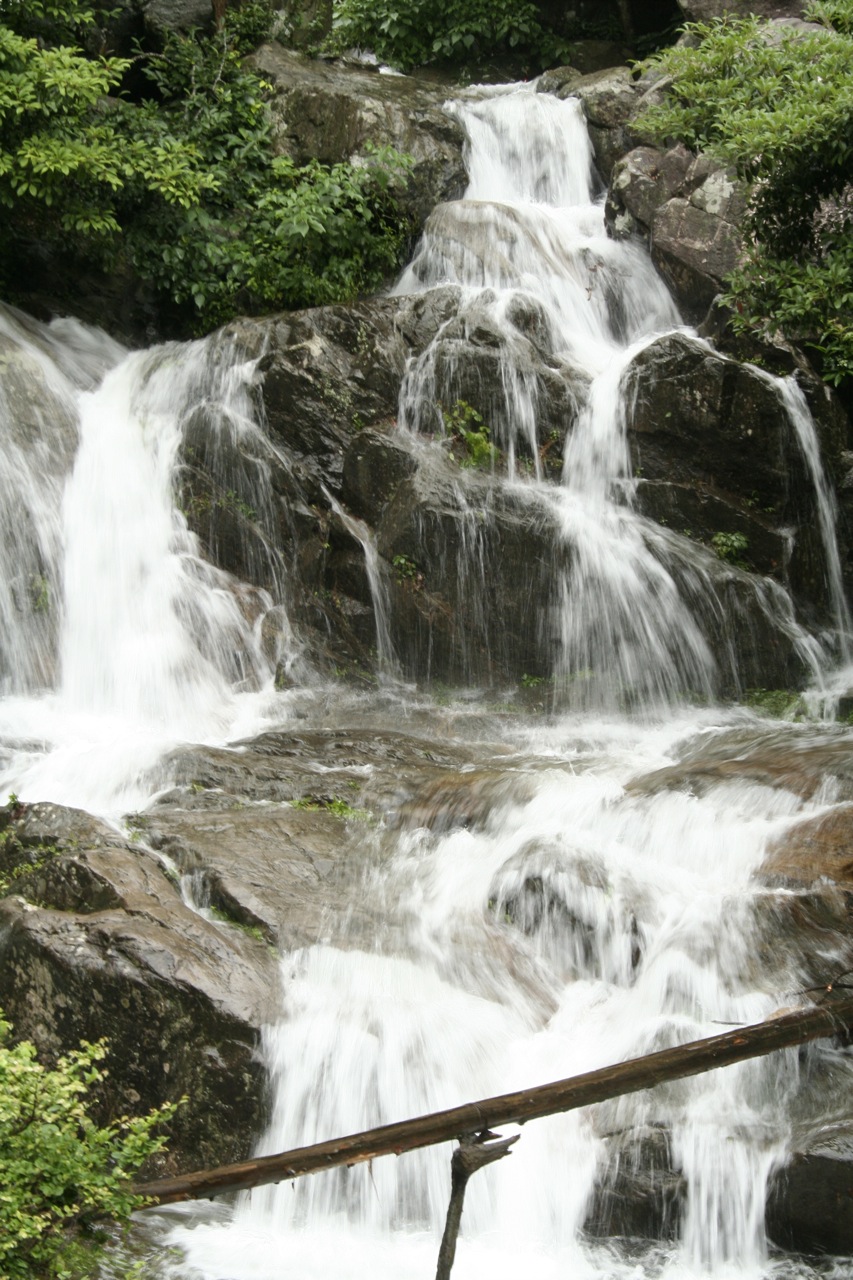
588,915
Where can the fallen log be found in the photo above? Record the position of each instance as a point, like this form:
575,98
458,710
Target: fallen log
780,1031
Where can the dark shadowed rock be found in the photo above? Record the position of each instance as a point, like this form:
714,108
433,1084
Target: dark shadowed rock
96,941
810,1207
640,1194
176,15
700,419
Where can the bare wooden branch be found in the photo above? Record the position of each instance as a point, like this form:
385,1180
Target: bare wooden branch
778,1032
473,1153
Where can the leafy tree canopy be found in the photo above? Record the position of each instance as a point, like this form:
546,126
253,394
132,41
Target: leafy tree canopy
415,33
777,105
183,185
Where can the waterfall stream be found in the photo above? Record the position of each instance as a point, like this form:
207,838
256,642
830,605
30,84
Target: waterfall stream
591,913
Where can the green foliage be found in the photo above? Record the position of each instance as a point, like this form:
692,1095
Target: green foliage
336,806
778,704
60,1172
185,185
832,13
414,33
731,547
405,568
778,107
464,424
64,153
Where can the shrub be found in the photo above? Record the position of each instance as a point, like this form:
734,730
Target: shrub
778,107
61,1174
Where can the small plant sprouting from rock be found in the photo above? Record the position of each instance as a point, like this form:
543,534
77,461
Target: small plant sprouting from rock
336,806
732,548
406,571
465,425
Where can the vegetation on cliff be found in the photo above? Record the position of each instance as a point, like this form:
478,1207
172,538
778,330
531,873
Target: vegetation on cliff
62,1176
415,33
183,185
777,104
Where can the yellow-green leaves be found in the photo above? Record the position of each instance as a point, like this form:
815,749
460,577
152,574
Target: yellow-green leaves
59,1170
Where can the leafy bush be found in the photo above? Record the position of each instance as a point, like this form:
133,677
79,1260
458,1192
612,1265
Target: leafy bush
414,33
777,105
183,186
61,1174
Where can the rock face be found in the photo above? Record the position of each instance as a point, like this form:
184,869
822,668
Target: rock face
348,518
699,425
688,209
331,113
97,941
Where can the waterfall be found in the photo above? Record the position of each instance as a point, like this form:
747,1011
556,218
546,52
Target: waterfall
586,918
123,639
528,247
582,910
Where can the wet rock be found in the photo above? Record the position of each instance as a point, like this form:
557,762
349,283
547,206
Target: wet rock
610,100
696,512
805,761
703,420
815,849
640,1194
374,465
96,941
332,113
810,1208
477,573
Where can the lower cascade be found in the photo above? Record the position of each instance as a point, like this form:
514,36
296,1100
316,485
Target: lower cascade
603,861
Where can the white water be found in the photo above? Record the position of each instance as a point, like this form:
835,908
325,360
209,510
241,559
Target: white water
154,645
585,920
584,924
529,248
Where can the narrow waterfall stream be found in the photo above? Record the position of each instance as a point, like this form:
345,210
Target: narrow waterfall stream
583,909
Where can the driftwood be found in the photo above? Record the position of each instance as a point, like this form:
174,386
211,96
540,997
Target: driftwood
780,1031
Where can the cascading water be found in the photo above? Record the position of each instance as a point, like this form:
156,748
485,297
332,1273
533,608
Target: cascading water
147,643
585,919
530,251
581,911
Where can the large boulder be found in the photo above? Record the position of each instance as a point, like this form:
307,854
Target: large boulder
331,112
688,209
702,423
97,941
